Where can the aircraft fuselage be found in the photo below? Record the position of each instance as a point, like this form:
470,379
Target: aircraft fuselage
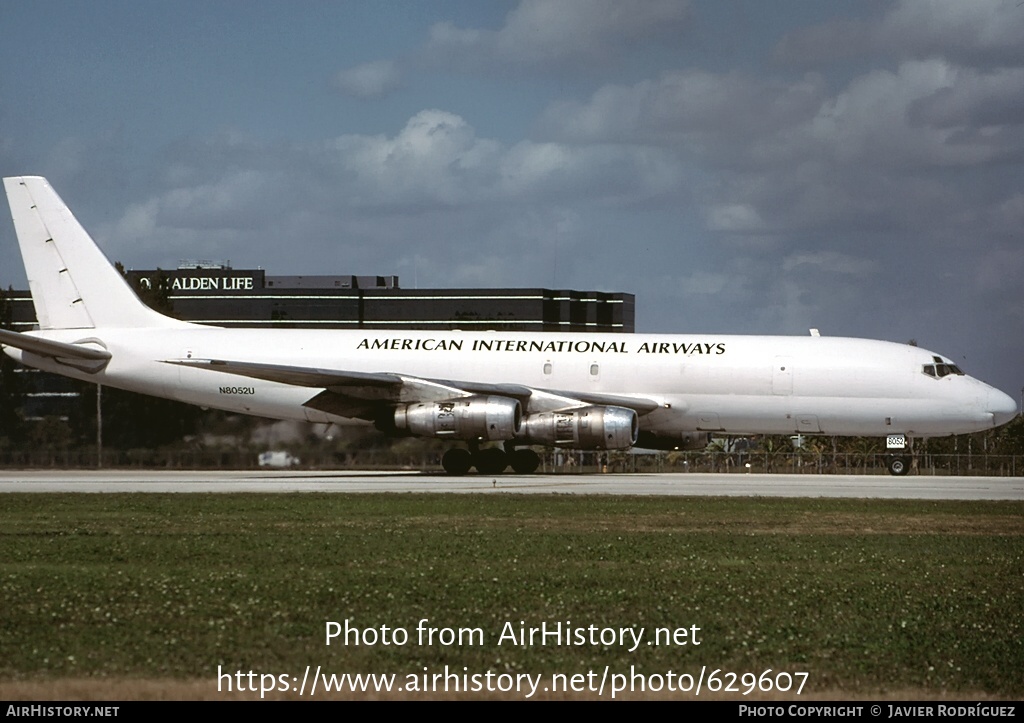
712,383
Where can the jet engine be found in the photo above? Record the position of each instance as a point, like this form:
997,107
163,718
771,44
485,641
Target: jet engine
583,428
483,418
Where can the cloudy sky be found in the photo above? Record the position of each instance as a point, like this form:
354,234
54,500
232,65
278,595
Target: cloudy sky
742,166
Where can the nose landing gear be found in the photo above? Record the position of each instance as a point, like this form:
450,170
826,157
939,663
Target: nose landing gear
898,465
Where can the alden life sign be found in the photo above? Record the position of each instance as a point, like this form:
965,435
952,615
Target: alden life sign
205,283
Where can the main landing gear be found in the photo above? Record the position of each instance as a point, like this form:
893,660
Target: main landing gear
490,460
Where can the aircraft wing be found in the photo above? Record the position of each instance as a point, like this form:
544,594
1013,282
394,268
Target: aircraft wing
361,394
86,358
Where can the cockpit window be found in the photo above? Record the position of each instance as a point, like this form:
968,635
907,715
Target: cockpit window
940,369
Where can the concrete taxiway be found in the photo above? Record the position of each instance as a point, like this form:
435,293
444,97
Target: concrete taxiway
686,484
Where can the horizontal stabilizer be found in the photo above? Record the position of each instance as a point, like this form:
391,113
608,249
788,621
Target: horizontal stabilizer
86,358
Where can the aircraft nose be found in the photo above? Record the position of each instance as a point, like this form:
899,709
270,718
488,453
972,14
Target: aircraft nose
1002,407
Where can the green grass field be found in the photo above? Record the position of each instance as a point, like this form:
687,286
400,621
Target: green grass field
868,597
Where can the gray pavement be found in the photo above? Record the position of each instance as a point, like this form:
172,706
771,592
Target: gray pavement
684,484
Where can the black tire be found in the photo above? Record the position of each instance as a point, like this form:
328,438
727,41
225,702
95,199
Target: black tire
524,461
491,460
899,466
457,461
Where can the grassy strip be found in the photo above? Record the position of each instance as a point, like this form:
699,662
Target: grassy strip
866,596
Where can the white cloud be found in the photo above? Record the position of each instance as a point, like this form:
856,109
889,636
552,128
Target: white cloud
782,156
829,262
1008,216
465,192
438,158
369,80
735,218
694,110
555,31
914,115
982,33
1001,269
979,31
982,100
705,283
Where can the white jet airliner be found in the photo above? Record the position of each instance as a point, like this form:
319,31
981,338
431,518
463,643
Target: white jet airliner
583,391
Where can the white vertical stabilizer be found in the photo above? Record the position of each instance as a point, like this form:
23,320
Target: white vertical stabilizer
73,284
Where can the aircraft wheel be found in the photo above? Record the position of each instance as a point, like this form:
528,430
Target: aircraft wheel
491,460
525,461
898,466
457,461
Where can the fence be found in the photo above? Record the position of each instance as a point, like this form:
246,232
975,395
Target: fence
553,461
989,465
